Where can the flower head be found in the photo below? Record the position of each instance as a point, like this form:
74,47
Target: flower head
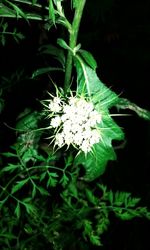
75,122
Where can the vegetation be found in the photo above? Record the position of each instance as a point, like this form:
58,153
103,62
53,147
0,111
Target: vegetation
52,194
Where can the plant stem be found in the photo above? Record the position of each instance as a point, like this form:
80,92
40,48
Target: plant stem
72,43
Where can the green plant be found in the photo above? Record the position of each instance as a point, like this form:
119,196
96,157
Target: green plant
48,195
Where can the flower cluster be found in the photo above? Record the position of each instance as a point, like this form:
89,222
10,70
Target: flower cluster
74,122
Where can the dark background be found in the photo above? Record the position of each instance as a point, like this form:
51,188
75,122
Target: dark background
117,33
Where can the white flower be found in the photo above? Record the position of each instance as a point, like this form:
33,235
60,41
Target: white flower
68,138
86,146
94,118
87,133
55,105
57,99
78,139
67,126
72,101
55,122
76,123
95,136
59,139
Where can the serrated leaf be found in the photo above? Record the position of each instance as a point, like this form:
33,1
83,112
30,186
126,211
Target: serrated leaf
132,202
87,228
10,168
119,198
20,36
64,180
30,154
42,190
95,240
103,188
91,197
126,215
27,120
88,58
95,162
29,208
55,175
102,224
18,186
103,98
17,210
52,182
90,85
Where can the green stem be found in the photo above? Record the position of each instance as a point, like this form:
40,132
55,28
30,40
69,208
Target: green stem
72,43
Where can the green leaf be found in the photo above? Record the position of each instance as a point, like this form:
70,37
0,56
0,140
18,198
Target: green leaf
2,202
127,215
102,224
110,197
57,53
88,58
34,191
52,181
19,185
27,120
87,227
119,198
43,175
95,162
11,168
132,202
17,210
8,236
126,104
29,208
90,85
91,197
34,2
95,240
9,154
64,180
43,191
52,11
72,187
63,44
29,154
103,98
28,229
19,36
46,70
19,12
75,3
